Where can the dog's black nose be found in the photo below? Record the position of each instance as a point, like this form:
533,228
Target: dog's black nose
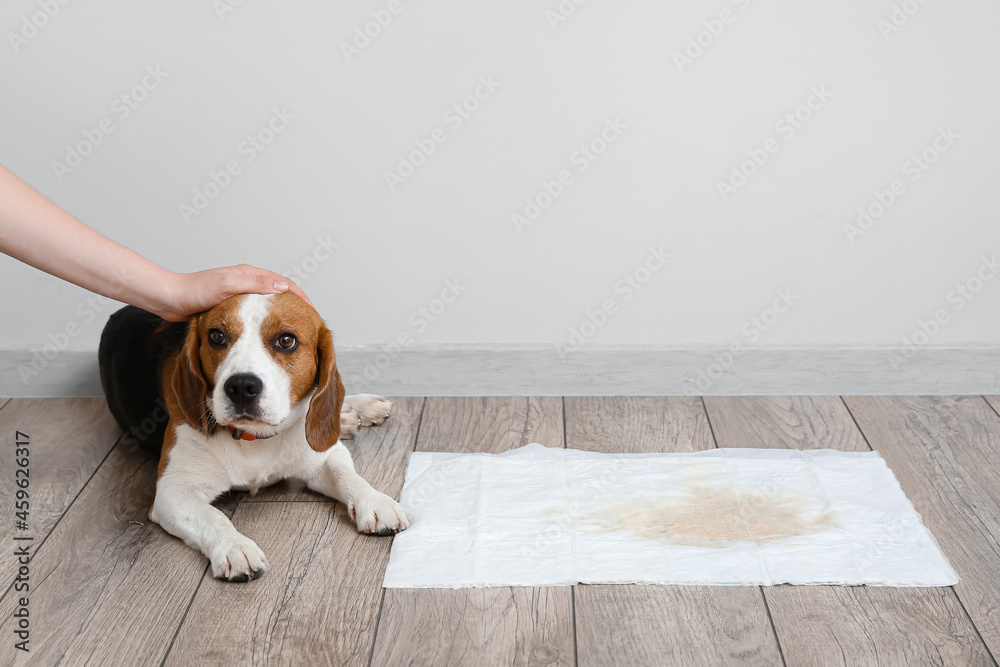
243,389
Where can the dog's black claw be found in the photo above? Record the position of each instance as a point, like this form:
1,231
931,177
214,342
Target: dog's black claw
240,578
386,532
256,574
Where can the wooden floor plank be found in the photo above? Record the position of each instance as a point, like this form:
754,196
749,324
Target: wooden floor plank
319,603
108,587
946,453
69,437
509,626
661,625
874,625
490,424
843,624
637,424
784,422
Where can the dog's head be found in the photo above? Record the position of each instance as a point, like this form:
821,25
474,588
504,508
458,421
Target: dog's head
252,363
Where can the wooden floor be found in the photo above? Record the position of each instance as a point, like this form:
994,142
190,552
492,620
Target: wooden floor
111,588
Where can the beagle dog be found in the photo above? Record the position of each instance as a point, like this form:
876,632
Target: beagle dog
242,396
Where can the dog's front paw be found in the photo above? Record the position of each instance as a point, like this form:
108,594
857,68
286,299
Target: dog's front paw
238,559
350,422
373,409
378,514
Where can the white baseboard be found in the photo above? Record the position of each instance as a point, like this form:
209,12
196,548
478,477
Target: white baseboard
541,370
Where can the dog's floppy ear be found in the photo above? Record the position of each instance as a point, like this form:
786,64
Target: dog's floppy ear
188,381
323,418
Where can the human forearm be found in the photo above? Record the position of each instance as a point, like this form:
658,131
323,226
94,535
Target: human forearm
39,233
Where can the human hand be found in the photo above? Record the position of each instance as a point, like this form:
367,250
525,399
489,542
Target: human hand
191,293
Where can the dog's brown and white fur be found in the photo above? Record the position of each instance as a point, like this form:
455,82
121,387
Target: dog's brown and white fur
253,397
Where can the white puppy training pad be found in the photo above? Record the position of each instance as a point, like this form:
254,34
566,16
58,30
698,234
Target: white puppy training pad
539,516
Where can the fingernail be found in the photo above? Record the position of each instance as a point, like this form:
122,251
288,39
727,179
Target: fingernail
281,286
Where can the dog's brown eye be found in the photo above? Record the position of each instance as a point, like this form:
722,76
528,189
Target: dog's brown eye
286,342
216,337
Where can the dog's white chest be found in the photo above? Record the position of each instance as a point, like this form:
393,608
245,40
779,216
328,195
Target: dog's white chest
240,464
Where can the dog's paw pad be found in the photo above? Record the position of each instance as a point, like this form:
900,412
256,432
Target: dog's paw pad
242,577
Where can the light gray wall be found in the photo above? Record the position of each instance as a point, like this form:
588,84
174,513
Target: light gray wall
884,96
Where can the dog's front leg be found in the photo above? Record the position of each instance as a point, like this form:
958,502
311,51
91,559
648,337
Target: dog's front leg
372,511
187,513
